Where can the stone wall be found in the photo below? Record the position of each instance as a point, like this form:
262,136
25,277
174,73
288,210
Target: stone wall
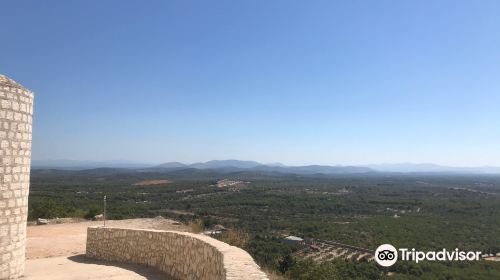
16,108
181,255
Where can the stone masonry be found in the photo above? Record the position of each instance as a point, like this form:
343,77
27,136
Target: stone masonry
181,255
16,109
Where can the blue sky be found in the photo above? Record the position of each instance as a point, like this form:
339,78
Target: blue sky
299,82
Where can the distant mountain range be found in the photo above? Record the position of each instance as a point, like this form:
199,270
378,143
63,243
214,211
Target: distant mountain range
253,166
433,168
238,165
66,164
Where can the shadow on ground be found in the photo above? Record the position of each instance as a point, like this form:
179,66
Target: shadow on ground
149,273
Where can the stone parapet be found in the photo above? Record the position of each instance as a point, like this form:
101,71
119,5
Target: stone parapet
181,255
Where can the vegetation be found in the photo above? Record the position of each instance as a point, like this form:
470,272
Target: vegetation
337,269
415,211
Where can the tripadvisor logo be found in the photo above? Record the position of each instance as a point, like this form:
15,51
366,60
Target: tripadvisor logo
387,255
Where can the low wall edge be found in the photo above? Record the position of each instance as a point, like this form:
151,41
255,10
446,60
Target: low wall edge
181,255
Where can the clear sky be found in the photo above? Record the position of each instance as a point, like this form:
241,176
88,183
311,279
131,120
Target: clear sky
299,82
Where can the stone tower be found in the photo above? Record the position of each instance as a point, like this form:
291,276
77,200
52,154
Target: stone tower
16,109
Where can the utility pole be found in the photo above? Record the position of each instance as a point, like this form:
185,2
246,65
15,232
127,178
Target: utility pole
104,214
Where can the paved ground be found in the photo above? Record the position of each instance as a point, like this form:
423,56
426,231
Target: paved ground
69,239
80,268
56,251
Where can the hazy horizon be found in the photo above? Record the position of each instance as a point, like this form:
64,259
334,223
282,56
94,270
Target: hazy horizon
124,161
322,82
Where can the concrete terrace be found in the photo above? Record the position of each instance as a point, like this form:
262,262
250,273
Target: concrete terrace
79,267
56,252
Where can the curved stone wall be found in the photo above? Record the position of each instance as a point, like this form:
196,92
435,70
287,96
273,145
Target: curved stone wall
16,108
181,255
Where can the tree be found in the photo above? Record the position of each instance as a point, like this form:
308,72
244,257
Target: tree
286,263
